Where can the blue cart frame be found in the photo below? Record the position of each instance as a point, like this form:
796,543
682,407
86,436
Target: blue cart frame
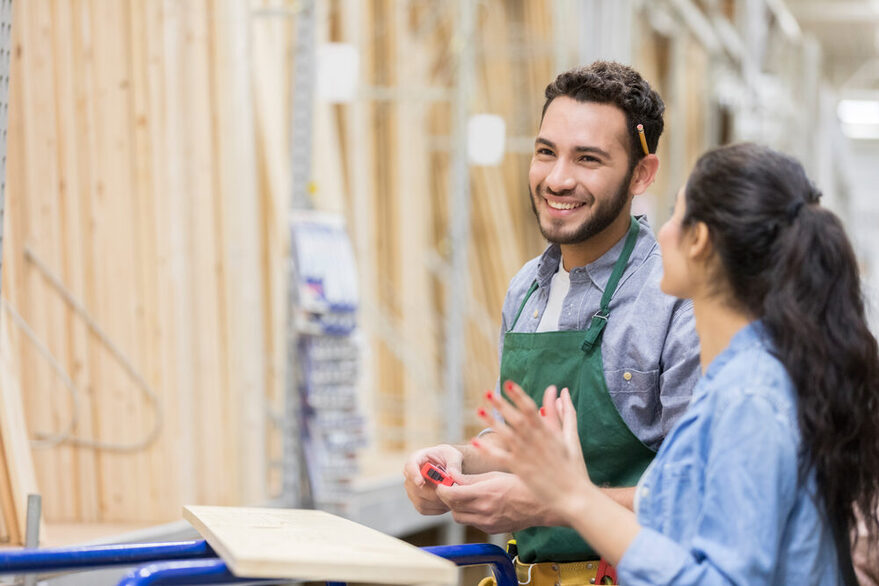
195,562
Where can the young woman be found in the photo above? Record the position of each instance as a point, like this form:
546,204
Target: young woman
760,481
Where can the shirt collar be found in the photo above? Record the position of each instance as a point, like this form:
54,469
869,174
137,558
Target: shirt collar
598,271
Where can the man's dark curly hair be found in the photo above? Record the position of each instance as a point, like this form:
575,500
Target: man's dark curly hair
608,82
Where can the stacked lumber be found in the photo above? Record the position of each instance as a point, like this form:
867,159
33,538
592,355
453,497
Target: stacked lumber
395,142
147,234
139,222
17,478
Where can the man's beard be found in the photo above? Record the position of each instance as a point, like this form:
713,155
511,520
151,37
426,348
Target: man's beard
603,215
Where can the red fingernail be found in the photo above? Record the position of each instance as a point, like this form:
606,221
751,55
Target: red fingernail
489,395
543,411
475,443
508,386
481,412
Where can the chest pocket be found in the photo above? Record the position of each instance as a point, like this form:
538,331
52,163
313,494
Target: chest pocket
630,380
635,393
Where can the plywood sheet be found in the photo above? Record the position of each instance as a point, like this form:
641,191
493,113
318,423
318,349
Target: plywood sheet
313,545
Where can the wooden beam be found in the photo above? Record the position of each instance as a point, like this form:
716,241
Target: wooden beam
17,479
313,545
238,231
824,12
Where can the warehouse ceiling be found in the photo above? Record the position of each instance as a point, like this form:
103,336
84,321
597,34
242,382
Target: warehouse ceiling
848,31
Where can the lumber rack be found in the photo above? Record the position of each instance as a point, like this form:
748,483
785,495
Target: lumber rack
195,562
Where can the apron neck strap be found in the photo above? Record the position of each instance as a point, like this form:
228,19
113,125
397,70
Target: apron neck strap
599,320
522,306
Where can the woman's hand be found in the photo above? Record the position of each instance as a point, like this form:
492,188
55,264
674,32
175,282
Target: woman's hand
541,447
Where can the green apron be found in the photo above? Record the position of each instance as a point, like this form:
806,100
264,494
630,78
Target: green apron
572,359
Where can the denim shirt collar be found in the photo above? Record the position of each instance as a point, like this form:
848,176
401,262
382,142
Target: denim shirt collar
598,271
749,336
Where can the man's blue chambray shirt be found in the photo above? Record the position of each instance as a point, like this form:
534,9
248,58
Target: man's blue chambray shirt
721,503
650,348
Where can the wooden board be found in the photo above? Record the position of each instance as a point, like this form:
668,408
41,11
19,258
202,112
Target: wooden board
313,545
18,479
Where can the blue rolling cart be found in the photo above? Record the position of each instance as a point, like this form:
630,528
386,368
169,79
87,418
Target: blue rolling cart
194,562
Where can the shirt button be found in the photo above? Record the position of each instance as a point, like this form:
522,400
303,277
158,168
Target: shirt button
627,375
644,491
536,313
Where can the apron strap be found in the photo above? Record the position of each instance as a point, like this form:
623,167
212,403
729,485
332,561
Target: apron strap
521,307
599,320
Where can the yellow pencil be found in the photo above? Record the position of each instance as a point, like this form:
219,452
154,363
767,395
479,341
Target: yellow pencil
643,139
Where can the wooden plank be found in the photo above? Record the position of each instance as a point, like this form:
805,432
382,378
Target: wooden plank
421,381
6,503
13,531
47,240
270,42
73,163
14,439
91,99
121,413
356,27
652,62
386,241
202,248
16,182
697,80
146,109
47,406
238,233
133,339
171,201
313,545
327,170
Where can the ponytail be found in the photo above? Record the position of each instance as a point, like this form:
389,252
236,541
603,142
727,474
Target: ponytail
814,313
789,262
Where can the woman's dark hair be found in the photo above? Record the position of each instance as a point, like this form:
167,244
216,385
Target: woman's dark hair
609,82
787,261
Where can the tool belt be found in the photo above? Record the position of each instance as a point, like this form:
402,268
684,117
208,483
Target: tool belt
565,573
558,573
561,573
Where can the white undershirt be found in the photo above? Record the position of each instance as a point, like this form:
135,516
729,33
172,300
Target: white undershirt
558,290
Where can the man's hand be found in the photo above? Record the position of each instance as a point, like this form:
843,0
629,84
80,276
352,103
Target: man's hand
423,493
494,502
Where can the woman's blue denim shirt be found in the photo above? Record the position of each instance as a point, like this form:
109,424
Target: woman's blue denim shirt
721,503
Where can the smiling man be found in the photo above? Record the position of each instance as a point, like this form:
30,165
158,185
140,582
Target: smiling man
588,315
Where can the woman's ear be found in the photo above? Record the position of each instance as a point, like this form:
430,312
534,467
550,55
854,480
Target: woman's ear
699,247
644,174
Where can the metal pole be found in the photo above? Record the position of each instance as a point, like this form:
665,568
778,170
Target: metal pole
751,17
675,96
32,530
294,474
459,225
605,30
459,234
303,107
5,47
